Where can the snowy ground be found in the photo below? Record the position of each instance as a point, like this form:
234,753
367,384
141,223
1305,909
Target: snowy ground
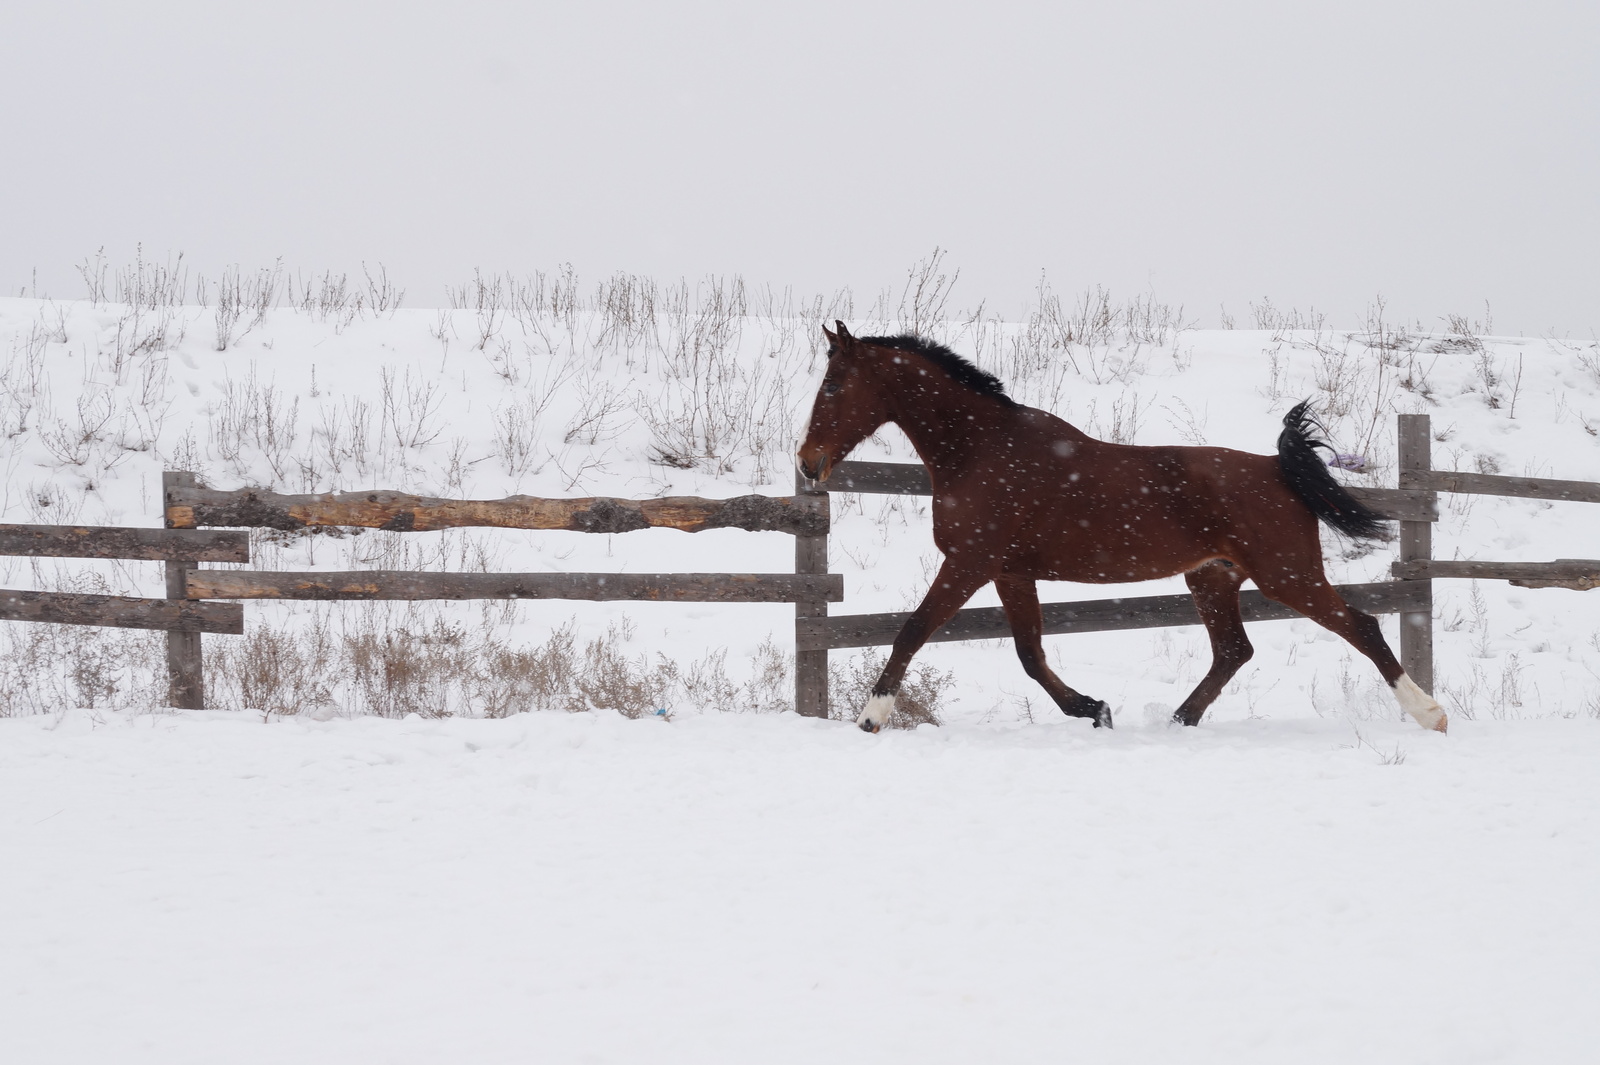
1305,877
584,888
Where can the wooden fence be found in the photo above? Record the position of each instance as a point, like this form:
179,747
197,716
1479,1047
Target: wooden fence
183,619
187,612
188,505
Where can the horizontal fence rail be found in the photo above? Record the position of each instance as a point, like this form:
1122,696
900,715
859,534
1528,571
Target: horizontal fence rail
900,478
1567,569
122,612
1494,484
600,587
188,506
101,541
1095,615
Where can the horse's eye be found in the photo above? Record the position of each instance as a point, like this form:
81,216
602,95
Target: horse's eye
830,388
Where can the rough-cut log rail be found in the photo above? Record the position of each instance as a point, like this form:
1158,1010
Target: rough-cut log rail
1097,615
124,612
1563,570
99,541
394,584
189,507
1589,581
1493,484
908,479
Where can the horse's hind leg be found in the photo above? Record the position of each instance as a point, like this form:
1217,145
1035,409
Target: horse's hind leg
1215,587
1315,598
1020,597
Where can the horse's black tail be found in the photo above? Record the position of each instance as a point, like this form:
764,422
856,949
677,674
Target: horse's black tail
1308,475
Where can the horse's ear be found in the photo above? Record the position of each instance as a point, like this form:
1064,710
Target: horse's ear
842,330
833,338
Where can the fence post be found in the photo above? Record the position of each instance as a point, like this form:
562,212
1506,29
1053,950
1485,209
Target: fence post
1416,544
185,671
810,556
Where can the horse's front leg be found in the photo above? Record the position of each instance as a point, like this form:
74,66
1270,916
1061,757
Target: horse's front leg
953,586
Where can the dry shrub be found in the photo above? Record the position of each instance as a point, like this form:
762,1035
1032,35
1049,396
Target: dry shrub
517,680
49,668
921,693
770,688
269,670
705,683
423,663
609,680
399,672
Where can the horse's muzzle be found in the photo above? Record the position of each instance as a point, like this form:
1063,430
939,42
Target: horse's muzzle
814,466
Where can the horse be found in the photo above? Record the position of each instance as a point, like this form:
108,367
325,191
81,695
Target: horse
1020,496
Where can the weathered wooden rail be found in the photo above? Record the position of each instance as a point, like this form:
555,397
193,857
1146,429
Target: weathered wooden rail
595,587
1095,615
189,505
1555,573
102,541
120,611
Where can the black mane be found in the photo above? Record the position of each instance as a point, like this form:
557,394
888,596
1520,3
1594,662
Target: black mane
980,381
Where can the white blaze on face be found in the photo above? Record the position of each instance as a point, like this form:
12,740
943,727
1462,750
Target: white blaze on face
876,715
1419,704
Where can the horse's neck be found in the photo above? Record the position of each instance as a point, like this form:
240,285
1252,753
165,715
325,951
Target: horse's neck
947,425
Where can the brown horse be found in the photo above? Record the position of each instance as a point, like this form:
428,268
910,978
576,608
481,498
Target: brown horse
1020,496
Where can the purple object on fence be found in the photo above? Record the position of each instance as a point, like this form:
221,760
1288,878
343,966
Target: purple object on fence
1354,463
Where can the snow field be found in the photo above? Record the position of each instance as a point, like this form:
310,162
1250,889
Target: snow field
552,887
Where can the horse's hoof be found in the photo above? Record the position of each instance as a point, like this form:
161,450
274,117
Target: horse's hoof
1102,714
876,713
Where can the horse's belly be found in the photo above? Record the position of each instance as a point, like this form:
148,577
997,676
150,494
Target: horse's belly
1114,571
1105,557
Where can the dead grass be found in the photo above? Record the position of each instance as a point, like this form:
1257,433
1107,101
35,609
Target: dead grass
419,660
50,668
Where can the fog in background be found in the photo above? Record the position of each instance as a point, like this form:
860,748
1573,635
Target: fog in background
1442,154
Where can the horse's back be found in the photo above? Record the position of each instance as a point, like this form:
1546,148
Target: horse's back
1043,499
1213,479
1169,507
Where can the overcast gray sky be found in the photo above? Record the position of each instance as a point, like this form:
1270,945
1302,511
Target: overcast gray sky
1442,154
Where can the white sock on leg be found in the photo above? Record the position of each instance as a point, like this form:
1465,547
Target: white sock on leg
1420,705
876,714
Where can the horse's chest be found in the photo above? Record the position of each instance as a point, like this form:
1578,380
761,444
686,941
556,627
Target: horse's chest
997,519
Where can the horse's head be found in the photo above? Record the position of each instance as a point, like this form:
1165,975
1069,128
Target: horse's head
848,407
